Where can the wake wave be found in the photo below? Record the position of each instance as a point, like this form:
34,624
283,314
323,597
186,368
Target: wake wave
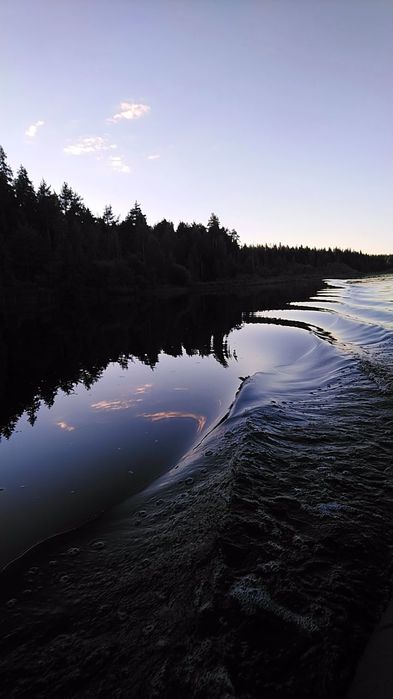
306,462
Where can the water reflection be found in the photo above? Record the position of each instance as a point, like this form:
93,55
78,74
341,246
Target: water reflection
41,357
115,404
168,415
64,426
97,410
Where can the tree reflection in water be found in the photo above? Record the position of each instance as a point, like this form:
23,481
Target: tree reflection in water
40,356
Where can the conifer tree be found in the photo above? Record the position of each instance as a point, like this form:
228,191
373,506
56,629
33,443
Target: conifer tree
7,196
25,195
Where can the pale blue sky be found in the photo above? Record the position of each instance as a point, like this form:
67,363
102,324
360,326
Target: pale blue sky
275,114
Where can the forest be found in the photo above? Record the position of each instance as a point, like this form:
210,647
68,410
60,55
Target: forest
53,247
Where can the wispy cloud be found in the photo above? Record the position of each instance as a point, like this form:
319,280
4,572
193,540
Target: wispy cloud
130,111
117,163
91,144
31,131
154,156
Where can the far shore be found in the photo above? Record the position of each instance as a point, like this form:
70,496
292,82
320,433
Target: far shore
30,300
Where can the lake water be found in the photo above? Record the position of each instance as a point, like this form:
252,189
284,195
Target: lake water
258,432
83,446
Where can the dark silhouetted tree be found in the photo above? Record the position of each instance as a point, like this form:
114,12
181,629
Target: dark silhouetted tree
25,195
7,196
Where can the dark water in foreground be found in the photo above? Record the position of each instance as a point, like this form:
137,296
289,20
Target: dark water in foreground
301,460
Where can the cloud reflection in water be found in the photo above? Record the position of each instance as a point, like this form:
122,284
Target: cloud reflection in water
122,404
170,414
65,426
115,404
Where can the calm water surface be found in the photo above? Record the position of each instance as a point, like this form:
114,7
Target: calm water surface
93,443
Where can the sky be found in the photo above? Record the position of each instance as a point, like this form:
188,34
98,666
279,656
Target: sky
275,114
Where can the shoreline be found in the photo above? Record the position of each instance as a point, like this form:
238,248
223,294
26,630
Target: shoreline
30,300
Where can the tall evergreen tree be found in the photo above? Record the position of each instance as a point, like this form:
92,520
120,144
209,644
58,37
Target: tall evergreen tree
48,212
7,196
71,203
25,195
108,217
109,241
133,233
213,224
135,217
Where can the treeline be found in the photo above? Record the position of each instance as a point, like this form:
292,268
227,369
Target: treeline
53,241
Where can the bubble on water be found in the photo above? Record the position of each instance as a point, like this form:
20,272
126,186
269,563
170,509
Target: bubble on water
99,544
122,614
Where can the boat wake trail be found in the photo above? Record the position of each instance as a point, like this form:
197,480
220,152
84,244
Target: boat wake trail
307,536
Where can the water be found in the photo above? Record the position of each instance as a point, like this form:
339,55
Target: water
95,430
99,440
308,535
302,456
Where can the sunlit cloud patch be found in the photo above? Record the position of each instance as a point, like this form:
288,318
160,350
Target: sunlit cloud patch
91,144
118,164
31,131
130,111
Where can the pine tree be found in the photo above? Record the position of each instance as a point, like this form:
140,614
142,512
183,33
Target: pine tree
25,195
213,224
7,196
5,170
108,217
48,211
135,217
